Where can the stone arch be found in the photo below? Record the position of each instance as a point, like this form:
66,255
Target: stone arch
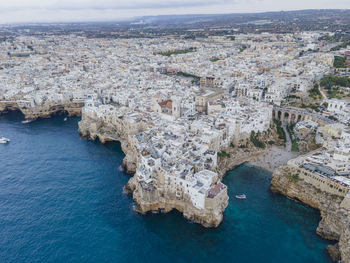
279,115
299,117
293,118
285,116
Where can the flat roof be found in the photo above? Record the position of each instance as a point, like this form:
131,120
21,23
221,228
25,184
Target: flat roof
320,169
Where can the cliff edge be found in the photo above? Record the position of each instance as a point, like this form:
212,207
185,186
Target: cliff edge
335,223
159,194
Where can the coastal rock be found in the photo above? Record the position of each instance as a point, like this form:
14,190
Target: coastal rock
335,218
334,252
94,128
237,157
344,242
43,111
148,198
245,151
129,166
156,201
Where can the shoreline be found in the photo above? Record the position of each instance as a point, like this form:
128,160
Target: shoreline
124,210
273,158
269,159
335,217
71,108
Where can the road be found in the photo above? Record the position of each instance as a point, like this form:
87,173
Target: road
323,95
288,140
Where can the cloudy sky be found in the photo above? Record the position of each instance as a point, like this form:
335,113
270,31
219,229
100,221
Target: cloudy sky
13,11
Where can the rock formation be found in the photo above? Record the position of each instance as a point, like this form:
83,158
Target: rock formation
43,111
147,196
155,200
93,127
335,223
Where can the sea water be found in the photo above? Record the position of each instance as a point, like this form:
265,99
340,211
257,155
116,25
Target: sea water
62,200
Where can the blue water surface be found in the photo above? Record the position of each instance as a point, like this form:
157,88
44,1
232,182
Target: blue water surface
62,200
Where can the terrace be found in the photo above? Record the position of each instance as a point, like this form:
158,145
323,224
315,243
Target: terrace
215,190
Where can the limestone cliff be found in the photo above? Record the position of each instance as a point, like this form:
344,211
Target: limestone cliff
156,200
147,197
236,158
245,151
43,111
335,223
93,127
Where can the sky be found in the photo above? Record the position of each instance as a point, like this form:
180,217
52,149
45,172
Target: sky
19,11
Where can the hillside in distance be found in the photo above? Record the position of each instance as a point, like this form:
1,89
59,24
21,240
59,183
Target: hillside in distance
324,19
194,26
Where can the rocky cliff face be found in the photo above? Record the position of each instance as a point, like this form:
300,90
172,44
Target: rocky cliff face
93,127
237,157
150,198
262,157
344,243
335,223
44,111
158,201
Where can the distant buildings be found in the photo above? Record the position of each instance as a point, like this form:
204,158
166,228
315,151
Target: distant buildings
178,110
327,168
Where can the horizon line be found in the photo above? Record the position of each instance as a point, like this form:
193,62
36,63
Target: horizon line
133,18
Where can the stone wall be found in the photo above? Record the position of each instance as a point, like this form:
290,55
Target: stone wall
322,183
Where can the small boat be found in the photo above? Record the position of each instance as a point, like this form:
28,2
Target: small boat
65,119
4,140
26,121
243,196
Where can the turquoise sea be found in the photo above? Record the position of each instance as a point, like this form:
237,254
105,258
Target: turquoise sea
62,200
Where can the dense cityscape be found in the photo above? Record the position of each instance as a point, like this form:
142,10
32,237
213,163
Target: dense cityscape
188,105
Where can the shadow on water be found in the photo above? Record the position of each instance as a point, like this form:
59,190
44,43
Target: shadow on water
80,182
12,116
287,219
18,116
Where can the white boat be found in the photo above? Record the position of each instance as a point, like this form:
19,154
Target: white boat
65,119
243,196
4,140
26,121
